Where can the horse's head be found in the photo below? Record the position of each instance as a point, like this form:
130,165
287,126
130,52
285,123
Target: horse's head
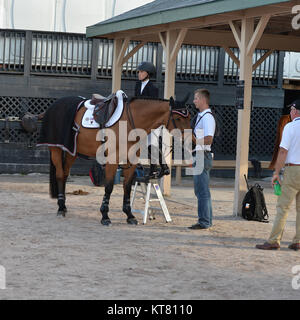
153,113
181,115
179,125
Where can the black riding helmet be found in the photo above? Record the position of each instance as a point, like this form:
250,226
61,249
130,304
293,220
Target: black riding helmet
148,67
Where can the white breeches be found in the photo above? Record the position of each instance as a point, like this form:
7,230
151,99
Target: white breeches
153,136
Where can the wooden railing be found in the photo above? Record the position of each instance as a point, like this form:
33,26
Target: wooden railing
68,54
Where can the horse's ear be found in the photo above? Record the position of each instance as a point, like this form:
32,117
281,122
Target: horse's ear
172,102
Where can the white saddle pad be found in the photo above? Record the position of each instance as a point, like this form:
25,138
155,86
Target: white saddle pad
88,120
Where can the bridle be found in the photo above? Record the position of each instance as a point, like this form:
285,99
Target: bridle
183,112
190,109
171,118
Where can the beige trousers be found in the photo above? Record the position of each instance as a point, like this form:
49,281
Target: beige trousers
290,190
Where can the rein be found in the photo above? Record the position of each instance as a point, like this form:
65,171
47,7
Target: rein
171,117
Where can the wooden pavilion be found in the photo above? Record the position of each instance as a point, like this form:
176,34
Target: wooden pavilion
244,24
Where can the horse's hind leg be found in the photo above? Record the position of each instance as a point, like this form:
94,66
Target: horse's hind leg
57,185
67,164
127,186
110,171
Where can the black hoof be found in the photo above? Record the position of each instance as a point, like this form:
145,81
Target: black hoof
105,222
132,221
61,213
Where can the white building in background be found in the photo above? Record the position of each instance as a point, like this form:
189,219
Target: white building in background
291,66
61,15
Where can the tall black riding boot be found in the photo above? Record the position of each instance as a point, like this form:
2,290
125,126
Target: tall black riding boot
153,167
164,170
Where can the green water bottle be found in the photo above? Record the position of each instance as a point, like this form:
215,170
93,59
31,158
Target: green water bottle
277,189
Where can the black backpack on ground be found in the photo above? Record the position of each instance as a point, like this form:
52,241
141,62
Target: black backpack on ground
97,174
254,205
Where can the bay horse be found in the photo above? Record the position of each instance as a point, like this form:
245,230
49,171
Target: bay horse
144,113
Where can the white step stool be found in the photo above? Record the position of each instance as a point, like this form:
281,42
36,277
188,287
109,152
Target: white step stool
146,185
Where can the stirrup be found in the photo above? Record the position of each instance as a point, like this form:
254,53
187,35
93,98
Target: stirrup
153,172
153,175
163,172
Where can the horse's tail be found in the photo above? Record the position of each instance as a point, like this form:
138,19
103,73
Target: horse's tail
53,188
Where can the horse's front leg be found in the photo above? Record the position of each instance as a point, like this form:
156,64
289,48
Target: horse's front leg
57,185
68,162
127,186
110,171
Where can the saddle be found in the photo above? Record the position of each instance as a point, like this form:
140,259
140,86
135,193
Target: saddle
97,98
104,108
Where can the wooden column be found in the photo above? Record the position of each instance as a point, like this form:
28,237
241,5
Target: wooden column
242,148
247,39
120,47
119,58
95,58
171,42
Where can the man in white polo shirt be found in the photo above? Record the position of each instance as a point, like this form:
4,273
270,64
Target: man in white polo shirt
204,131
288,157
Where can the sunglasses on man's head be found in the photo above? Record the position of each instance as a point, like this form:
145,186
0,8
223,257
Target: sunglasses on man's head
291,107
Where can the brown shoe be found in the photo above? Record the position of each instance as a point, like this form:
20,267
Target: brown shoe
268,246
294,246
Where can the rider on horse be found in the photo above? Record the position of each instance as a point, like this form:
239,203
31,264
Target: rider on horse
145,88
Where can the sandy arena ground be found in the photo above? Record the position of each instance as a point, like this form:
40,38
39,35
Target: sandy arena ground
46,257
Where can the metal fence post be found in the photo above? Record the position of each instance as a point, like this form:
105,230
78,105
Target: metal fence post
221,67
28,54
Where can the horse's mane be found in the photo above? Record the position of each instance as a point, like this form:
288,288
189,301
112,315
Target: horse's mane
147,98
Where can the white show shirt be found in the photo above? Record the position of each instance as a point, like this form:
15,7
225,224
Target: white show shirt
205,127
144,83
290,141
